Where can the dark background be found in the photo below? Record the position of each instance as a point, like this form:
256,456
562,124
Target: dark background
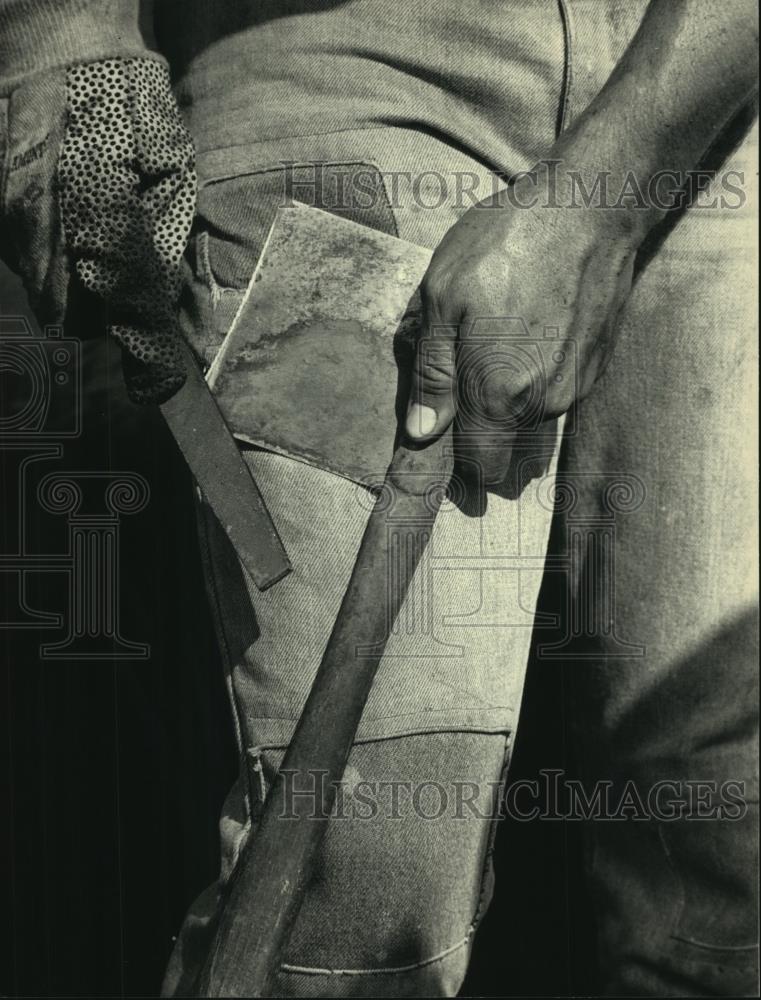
112,773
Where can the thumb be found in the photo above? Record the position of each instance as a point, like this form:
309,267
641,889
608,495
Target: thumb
432,396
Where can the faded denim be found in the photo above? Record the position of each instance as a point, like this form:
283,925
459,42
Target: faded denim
393,911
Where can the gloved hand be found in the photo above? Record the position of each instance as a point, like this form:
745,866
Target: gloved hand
100,188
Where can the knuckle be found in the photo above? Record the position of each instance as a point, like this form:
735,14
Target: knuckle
441,294
495,397
434,285
482,396
434,367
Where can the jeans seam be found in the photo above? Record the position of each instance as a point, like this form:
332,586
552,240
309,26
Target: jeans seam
295,135
5,148
405,734
565,97
204,269
216,611
441,955
387,971
680,910
735,948
420,713
204,266
205,272
281,165
489,852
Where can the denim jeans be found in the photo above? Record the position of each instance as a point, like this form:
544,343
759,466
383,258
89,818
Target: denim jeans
653,498
384,916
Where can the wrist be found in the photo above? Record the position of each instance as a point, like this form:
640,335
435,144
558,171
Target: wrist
583,183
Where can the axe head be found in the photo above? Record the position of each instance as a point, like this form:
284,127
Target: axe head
317,360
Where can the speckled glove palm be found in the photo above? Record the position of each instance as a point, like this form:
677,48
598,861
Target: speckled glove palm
106,196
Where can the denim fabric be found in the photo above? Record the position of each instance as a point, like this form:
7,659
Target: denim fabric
484,78
676,901
40,35
383,918
677,906
393,909
671,423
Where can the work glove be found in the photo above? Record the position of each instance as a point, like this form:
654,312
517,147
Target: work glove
100,189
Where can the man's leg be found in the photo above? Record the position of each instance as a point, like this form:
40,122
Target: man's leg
403,873
658,533
663,666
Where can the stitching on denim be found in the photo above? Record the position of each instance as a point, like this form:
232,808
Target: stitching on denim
401,715
271,168
203,268
407,734
497,730
306,970
735,948
255,762
5,148
489,853
693,942
205,272
239,839
565,98
440,956
216,611
294,135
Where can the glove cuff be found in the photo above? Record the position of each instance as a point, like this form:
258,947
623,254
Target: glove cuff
37,35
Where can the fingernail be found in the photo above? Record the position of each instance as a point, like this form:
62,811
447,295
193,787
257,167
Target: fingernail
420,420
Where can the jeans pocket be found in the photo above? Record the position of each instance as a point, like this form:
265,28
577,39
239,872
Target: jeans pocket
383,901
456,656
235,212
715,863
403,875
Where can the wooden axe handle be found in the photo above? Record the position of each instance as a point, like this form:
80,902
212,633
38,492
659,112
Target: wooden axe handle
266,891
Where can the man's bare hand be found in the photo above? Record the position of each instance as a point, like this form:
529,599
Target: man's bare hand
499,267
689,69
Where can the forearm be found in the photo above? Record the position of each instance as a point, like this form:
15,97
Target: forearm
689,69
